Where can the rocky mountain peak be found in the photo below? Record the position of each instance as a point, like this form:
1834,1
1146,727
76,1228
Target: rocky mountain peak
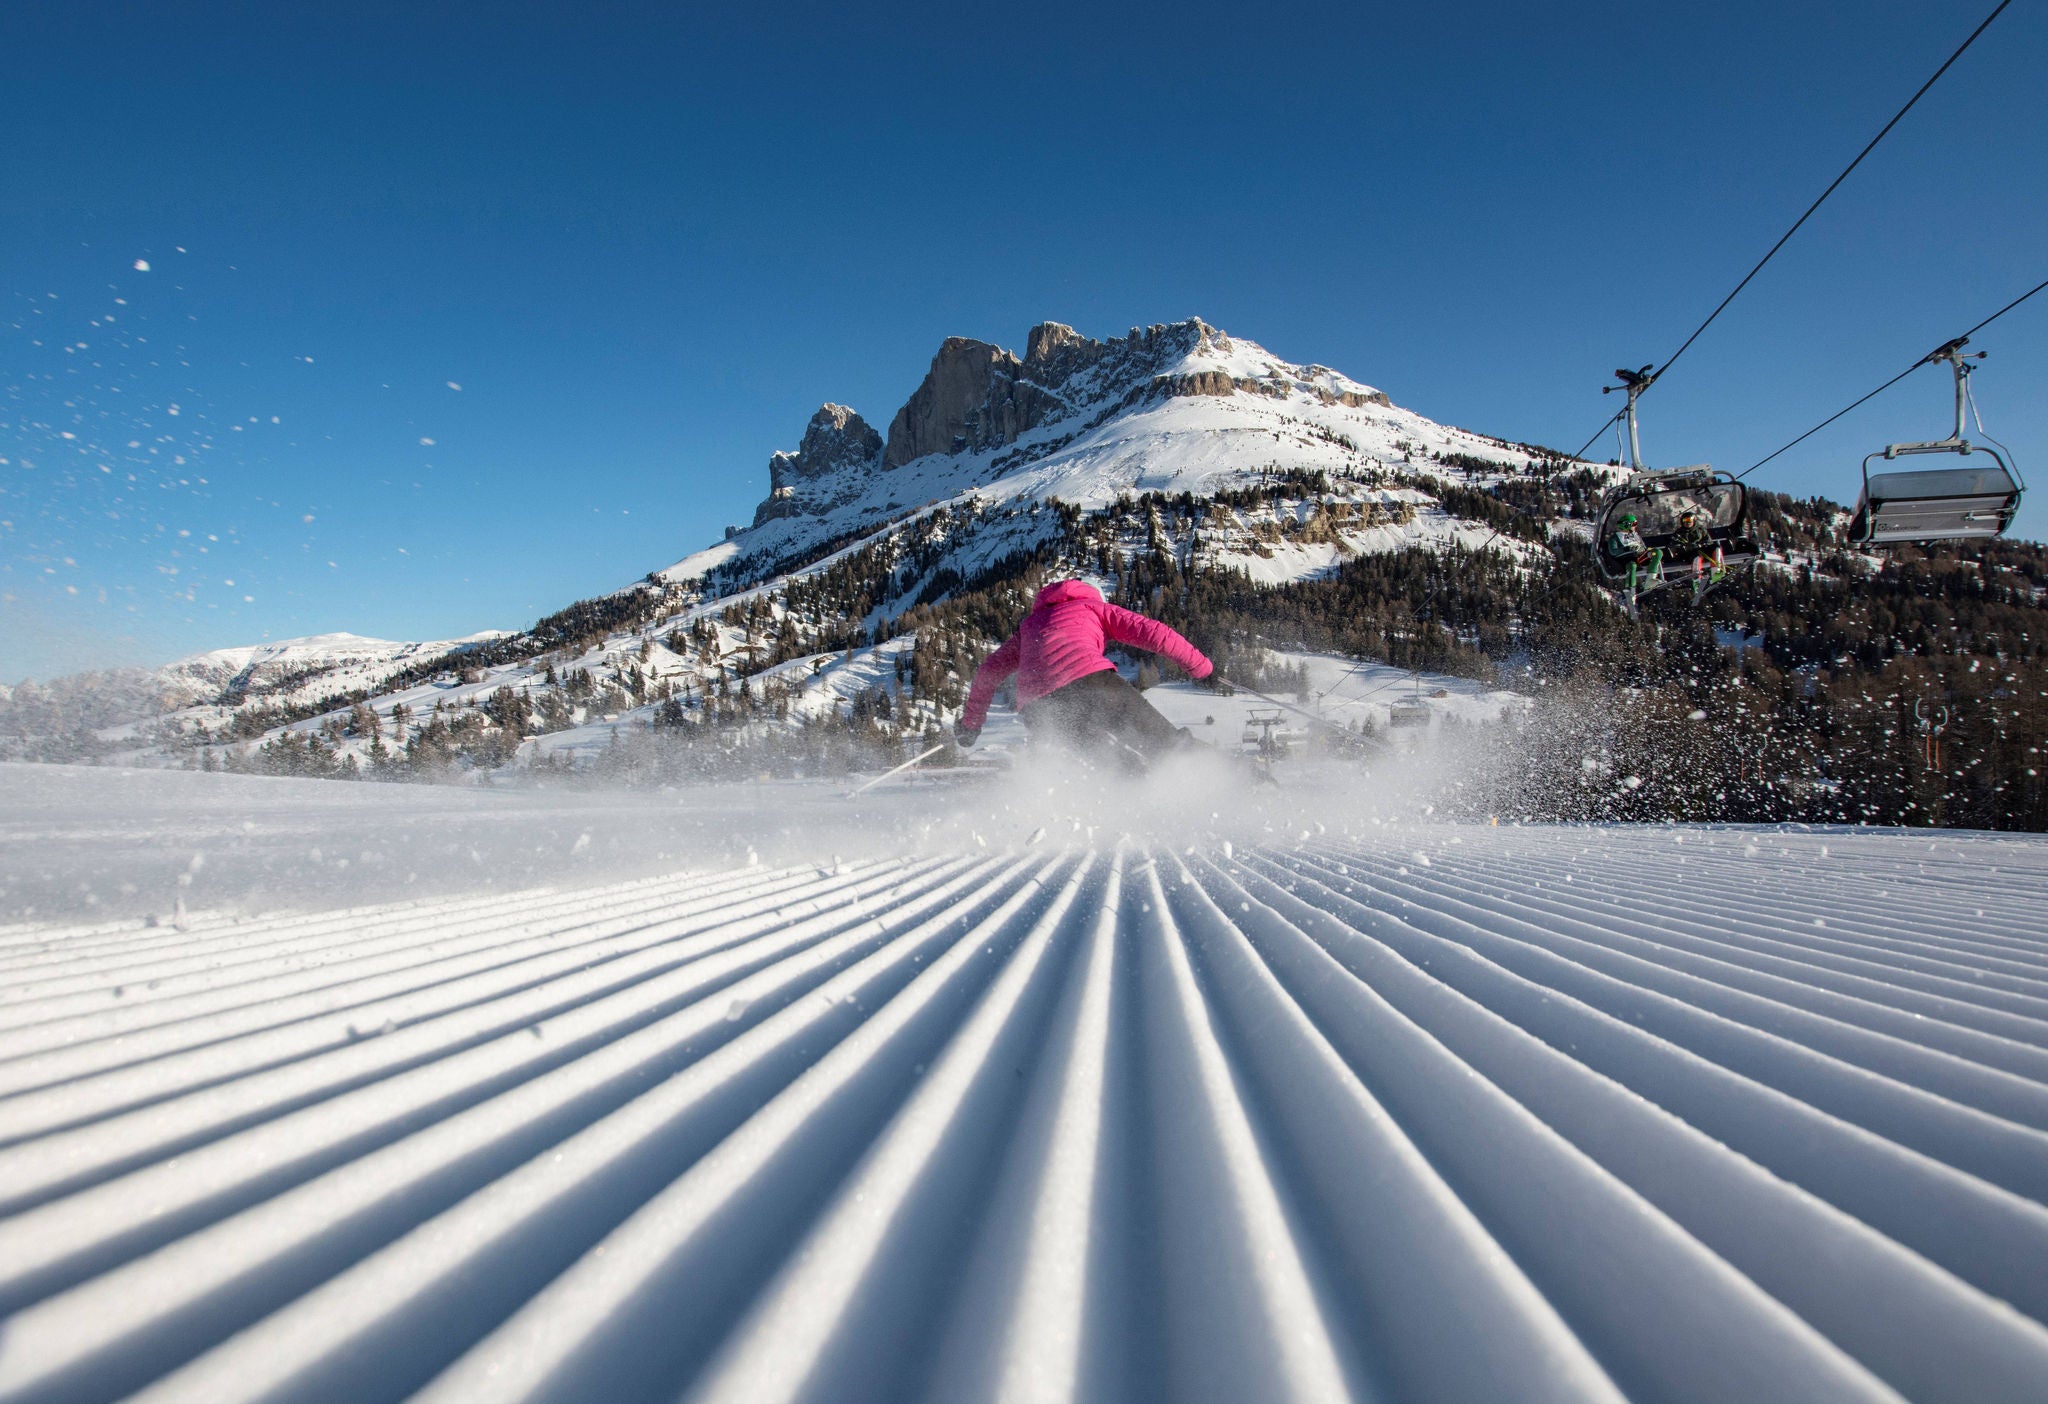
977,397
1049,339
836,439
974,396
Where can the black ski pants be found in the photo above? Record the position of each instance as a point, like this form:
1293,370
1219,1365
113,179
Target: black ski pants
1104,718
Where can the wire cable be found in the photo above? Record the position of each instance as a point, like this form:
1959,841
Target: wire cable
1830,190
1580,456
2005,309
2038,287
1783,238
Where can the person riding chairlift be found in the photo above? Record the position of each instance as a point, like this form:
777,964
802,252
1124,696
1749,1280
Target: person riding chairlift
1068,692
1695,540
1626,544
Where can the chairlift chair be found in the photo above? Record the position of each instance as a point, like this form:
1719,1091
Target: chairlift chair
1658,501
1402,716
1411,712
1264,732
1939,504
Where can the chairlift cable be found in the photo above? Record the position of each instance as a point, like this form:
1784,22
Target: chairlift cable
2003,310
1580,456
1786,236
1658,374
1830,419
1893,381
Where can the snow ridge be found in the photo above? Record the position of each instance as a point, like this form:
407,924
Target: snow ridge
1444,1112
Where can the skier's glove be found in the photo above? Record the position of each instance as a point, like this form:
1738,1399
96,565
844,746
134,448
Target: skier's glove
965,736
1216,683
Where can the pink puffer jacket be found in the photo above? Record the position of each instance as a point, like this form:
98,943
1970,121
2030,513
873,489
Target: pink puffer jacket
1062,639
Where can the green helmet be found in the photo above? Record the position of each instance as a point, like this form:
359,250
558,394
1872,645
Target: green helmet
1629,520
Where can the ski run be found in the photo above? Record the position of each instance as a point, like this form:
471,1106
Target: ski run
1402,1111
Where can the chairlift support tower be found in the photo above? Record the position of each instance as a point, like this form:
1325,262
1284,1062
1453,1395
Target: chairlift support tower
1634,382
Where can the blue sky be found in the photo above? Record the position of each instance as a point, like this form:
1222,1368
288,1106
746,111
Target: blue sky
646,241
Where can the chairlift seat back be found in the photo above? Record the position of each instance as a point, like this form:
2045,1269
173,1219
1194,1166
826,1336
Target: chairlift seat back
1407,714
1937,504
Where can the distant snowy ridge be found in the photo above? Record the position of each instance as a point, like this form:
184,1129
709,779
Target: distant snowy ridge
346,659
318,649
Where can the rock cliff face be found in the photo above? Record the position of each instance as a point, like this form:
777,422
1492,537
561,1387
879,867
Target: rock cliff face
836,439
977,396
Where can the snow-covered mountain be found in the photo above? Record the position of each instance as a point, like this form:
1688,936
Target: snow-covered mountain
1274,509
342,660
993,460
1181,408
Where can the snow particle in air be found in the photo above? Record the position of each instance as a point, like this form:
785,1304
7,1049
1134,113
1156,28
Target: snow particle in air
141,265
453,386
426,443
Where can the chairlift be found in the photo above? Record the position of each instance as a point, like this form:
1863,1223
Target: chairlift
1664,527
1940,504
1265,734
1403,715
1410,712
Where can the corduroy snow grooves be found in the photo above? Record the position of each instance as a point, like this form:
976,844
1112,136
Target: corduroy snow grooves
1440,1113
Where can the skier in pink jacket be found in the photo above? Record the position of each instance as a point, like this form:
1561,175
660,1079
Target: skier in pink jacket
1067,691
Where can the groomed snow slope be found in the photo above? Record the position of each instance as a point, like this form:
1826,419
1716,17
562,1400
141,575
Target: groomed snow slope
1458,1113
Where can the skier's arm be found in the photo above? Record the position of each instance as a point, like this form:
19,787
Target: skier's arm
994,671
1154,637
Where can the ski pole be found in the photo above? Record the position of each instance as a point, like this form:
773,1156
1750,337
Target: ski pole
922,755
